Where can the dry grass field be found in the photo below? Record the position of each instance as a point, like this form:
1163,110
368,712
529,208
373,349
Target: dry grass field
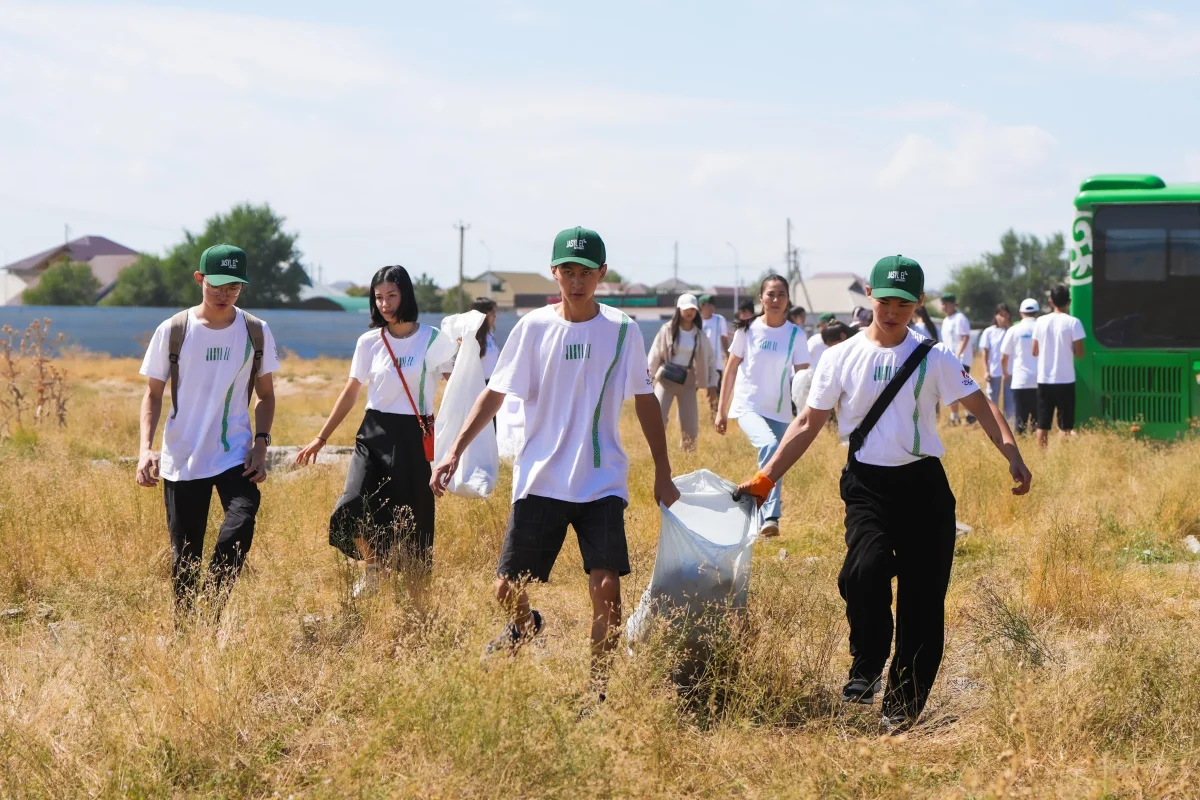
1072,668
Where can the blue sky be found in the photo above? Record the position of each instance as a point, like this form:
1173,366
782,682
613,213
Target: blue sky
878,127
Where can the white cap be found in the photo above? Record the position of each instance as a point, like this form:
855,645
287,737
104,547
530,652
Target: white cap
687,301
1030,306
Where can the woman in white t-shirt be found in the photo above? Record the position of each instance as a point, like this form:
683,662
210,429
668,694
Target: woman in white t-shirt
900,518
489,352
387,500
765,354
681,342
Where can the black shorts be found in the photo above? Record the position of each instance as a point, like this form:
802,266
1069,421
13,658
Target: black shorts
1060,396
537,529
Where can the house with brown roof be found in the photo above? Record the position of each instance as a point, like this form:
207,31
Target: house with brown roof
106,258
504,287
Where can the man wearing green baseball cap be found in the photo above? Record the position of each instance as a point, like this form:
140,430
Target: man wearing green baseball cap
885,384
573,364
215,356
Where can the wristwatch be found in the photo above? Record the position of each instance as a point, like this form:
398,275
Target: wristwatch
266,436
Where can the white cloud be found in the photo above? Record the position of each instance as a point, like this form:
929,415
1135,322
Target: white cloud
980,153
1147,44
135,122
1191,165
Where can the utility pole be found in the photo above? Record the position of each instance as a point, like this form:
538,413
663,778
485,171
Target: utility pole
66,234
794,276
462,232
676,265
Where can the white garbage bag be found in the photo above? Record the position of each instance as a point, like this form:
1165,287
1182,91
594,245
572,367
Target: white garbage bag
801,383
479,466
510,427
703,561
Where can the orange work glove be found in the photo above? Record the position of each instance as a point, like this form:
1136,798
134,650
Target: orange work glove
758,487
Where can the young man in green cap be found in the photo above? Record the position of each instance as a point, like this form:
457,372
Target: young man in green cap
899,507
212,354
816,344
573,364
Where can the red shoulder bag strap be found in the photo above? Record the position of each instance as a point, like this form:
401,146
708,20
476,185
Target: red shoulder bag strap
400,372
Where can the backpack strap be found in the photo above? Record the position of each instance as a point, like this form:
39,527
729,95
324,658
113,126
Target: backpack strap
174,345
859,434
254,329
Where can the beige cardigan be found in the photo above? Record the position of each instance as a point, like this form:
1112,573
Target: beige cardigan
703,374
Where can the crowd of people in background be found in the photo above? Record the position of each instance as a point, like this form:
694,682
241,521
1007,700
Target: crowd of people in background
573,364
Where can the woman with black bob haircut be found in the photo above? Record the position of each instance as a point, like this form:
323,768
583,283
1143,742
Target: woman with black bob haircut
489,351
387,500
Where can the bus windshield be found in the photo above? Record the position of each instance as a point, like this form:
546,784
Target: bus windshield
1146,280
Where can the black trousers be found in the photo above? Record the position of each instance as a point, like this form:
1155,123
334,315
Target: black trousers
387,499
1026,402
187,519
899,522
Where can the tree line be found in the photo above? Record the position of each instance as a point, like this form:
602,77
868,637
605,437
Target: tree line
1024,266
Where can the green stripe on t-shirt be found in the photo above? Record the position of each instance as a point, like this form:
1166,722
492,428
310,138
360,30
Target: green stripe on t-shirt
229,398
787,368
603,387
916,450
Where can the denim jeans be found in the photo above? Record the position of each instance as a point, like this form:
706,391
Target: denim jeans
765,434
1010,411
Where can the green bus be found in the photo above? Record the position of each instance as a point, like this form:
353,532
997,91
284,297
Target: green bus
1135,284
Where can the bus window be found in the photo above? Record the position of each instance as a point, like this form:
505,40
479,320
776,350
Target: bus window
1136,254
1146,275
1185,252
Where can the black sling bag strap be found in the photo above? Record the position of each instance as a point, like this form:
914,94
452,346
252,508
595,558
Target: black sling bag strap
859,434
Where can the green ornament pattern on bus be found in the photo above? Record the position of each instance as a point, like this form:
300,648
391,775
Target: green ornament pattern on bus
1081,248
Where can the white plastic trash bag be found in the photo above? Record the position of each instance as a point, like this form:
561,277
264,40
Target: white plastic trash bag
801,383
510,427
479,466
703,561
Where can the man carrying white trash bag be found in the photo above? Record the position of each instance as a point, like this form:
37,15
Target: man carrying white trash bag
479,466
702,570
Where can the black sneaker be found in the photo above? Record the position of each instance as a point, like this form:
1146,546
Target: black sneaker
861,691
510,639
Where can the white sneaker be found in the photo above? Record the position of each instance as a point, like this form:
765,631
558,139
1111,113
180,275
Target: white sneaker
367,583
769,529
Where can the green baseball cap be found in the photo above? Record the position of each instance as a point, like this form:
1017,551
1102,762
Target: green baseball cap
579,246
949,297
705,298
828,316
222,264
897,276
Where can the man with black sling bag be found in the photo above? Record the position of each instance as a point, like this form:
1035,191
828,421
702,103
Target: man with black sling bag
886,384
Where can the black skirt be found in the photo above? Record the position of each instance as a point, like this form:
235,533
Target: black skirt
387,499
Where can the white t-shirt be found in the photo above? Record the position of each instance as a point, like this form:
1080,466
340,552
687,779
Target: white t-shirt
1018,346
1056,334
716,329
683,348
490,357
769,360
573,378
852,375
816,346
421,355
211,433
992,339
954,327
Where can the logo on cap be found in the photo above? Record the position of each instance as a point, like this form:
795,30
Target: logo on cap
577,244
897,275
